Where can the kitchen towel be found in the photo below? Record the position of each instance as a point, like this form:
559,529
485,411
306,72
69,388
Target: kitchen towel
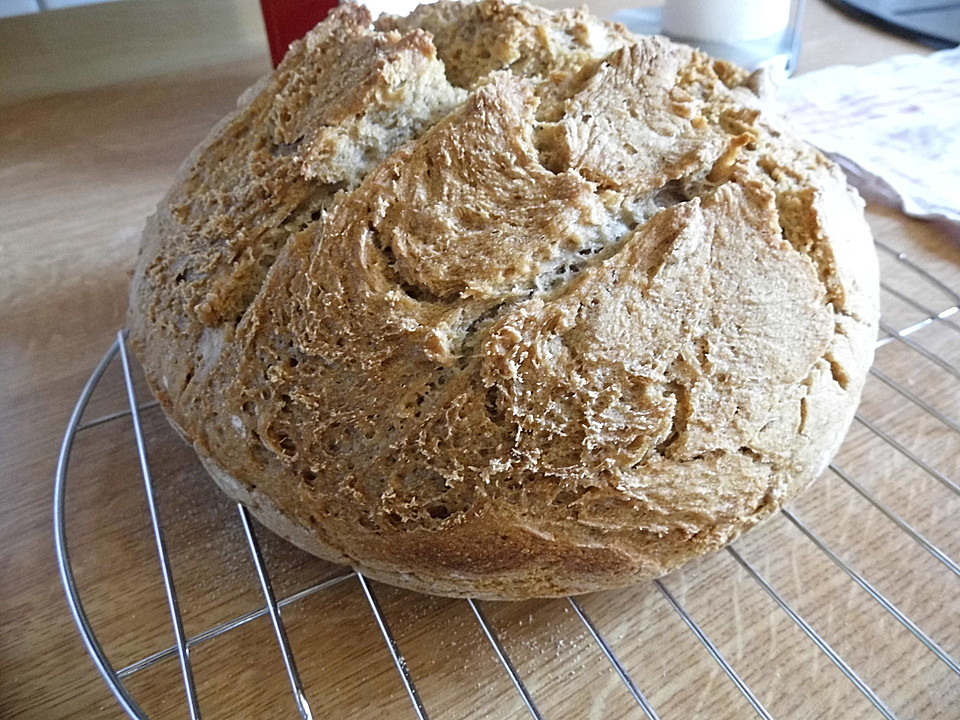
893,126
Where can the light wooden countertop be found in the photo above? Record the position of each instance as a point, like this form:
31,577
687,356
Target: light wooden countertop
78,175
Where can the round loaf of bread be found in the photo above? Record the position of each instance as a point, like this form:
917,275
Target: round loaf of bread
496,302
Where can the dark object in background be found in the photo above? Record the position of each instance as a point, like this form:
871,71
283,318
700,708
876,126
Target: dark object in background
935,23
289,20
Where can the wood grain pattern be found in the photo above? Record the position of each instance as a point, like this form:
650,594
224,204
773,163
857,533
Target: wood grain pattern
78,175
94,45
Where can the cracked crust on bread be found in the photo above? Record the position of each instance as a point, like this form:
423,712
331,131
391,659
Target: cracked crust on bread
496,302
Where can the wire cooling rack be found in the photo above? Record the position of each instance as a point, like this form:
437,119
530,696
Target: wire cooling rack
743,632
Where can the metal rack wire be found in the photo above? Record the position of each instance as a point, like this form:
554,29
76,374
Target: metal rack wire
942,321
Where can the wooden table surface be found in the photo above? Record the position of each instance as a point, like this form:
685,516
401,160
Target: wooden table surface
78,175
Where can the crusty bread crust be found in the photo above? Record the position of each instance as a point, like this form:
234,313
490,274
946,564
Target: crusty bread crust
497,302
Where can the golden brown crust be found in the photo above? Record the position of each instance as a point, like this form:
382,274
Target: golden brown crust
489,301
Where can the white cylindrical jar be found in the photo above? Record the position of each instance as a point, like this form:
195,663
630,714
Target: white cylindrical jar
394,7
726,21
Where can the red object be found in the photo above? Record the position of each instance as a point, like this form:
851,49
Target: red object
289,20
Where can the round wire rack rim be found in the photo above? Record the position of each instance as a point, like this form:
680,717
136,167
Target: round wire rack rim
97,653
272,608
